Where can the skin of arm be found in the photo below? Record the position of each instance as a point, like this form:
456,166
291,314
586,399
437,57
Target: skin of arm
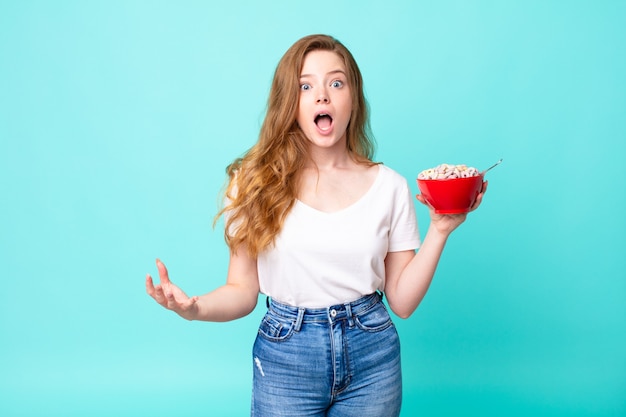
235,299
409,274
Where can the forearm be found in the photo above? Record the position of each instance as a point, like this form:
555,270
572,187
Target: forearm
228,302
415,279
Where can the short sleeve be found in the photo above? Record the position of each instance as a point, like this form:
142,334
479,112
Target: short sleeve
403,233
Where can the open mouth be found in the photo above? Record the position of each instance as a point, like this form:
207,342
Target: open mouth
323,121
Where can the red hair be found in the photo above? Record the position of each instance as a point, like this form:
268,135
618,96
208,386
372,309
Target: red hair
262,185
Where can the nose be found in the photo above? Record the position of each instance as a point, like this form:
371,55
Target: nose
322,97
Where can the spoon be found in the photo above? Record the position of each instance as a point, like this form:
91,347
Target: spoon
493,166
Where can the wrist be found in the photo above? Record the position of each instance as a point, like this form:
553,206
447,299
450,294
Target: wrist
437,234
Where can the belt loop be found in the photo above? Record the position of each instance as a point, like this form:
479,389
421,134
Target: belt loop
349,314
299,319
267,301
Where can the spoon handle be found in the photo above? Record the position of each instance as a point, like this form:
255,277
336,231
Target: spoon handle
493,166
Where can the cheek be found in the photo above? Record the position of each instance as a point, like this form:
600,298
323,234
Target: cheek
347,104
347,110
300,114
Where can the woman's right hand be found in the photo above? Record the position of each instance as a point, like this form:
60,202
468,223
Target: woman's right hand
170,296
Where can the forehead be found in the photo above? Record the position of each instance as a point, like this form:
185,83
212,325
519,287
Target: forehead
321,62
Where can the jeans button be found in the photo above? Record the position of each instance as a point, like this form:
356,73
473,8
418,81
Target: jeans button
333,312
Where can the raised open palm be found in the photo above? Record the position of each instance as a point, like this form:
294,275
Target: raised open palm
169,295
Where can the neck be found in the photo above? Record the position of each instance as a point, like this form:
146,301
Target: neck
336,156
323,160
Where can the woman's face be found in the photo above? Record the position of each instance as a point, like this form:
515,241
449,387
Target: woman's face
325,102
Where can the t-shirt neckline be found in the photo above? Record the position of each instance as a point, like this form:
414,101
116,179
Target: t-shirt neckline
358,202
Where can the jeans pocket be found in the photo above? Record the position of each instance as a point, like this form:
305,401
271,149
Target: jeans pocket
375,319
276,329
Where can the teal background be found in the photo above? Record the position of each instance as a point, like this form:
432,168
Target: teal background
117,119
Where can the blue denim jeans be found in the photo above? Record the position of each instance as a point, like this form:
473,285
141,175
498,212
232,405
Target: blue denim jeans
340,361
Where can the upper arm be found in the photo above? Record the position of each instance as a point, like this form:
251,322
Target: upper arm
243,275
395,262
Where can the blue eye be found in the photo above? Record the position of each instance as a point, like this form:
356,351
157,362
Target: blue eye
305,87
337,84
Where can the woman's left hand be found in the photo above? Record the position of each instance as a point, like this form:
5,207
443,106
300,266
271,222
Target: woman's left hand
446,223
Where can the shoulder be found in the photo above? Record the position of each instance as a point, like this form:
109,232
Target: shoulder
390,176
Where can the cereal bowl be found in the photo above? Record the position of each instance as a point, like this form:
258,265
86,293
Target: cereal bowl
451,189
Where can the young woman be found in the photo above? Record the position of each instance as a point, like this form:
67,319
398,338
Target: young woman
323,231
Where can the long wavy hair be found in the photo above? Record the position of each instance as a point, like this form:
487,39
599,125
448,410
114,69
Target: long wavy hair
262,185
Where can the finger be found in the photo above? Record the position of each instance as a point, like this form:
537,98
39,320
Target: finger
159,295
422,200
149,285
172,303
170,300
163,275
189,303
479,199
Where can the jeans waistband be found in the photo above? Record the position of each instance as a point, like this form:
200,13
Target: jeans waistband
331,314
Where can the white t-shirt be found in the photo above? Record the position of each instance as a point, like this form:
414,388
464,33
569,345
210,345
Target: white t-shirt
321,259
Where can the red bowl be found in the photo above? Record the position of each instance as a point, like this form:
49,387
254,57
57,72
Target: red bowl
451,196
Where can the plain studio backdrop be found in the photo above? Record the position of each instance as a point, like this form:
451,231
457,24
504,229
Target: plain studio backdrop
118,118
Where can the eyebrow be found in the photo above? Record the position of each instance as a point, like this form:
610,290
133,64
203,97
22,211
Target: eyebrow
337,71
